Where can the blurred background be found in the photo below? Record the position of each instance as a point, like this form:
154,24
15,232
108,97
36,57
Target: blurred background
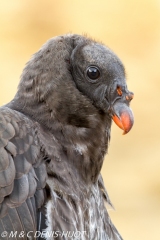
132,29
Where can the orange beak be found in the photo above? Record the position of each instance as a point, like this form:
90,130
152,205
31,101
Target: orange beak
123,117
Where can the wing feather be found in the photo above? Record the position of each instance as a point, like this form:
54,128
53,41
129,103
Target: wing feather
7,176
32,200
40,172
4,191
32,183
2,230
22,165
26,219
39,198
22,173
16,222
8,132
11,148
20,190
31,210
3,209
8,226
4,159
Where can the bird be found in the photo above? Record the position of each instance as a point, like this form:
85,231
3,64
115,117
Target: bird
54,135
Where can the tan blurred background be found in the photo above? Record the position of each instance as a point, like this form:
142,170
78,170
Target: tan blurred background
132,29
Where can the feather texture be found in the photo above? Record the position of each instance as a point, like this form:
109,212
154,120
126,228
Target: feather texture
53,138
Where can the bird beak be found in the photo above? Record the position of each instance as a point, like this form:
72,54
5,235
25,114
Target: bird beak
123,116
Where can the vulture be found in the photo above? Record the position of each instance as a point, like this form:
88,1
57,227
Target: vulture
54,135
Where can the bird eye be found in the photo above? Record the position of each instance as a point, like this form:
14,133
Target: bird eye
93,72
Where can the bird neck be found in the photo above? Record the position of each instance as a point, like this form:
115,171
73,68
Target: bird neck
79,127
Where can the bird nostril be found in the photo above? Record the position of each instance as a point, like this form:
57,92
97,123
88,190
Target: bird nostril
130,96
119,90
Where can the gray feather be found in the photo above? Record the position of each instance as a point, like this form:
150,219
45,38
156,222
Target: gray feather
4,159
3,142
26,220
3,209
11,148
7,176
41,176
9,132
8,226
39,198
16,222
22,165
32,183
20,190
32,213
2,229
4,191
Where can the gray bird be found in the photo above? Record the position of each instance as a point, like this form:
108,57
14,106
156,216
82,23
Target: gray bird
53,138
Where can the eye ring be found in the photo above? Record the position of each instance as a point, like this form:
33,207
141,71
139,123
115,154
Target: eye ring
93,72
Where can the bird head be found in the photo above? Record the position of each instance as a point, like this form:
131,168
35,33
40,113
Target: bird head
70,78
100,75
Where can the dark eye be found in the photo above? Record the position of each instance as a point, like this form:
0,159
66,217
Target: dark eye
93,72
